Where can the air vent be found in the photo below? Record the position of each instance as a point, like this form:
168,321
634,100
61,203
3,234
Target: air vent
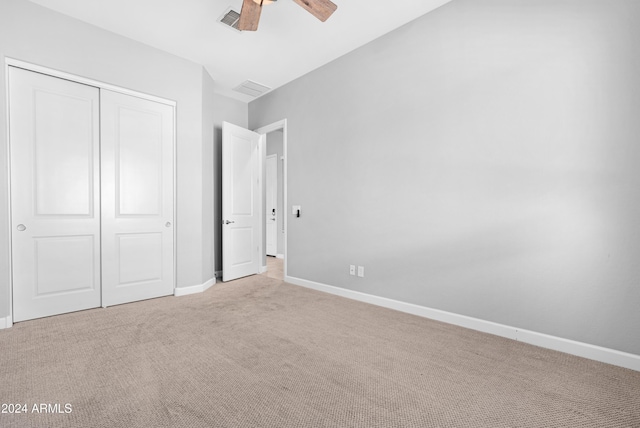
251,88
230,19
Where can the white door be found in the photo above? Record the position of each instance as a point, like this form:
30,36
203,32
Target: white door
271,217
241,233
137,198
55,191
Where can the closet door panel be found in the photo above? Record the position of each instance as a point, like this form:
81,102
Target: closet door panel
137,198
54,145
138,163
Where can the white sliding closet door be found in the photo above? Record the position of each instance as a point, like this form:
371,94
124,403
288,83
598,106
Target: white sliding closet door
55,188
137,198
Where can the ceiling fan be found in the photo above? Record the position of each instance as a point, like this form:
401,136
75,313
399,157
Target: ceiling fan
250,13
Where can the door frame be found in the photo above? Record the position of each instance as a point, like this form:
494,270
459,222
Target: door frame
13,62
280,125
266,184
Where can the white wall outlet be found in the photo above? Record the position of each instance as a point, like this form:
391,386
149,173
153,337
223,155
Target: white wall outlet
361,271
352,270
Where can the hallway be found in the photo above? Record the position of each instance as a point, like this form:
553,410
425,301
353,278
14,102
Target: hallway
275,268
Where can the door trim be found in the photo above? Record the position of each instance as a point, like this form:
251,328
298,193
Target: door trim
276,126
13,62
79,79
266,183
8,321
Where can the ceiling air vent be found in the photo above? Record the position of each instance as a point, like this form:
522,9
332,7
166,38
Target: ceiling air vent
251,88
230,19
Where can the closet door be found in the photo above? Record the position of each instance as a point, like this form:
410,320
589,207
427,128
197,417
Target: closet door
137,198
55,211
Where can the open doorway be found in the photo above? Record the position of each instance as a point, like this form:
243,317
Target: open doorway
274,234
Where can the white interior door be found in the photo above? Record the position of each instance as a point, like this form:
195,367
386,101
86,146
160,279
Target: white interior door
137,198
241,233
271,217
55,190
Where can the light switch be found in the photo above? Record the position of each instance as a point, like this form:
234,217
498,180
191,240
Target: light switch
361,271
296,210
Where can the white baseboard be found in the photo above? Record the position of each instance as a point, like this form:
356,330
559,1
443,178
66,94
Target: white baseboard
184,291
279,256
263,269
585,350
6,322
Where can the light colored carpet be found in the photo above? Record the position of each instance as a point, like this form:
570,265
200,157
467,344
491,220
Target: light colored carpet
262,353
275,268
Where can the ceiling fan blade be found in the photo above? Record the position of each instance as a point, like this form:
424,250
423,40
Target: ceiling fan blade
249,16
321,9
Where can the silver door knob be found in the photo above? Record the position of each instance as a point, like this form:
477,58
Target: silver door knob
168,224
21,227
227,222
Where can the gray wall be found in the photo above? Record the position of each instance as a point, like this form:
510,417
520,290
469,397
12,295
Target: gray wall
208,173
275,141
236,112
38,35
482,160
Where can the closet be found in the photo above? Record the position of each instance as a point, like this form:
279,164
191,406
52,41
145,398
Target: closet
92,200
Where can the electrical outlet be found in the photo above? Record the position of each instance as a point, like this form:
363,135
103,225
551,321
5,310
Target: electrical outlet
352,270
361,271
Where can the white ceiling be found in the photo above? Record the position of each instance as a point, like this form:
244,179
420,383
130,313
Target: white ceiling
289,43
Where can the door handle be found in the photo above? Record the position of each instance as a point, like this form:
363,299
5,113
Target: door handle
168,224
273,219
227,222
273,211
21,227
